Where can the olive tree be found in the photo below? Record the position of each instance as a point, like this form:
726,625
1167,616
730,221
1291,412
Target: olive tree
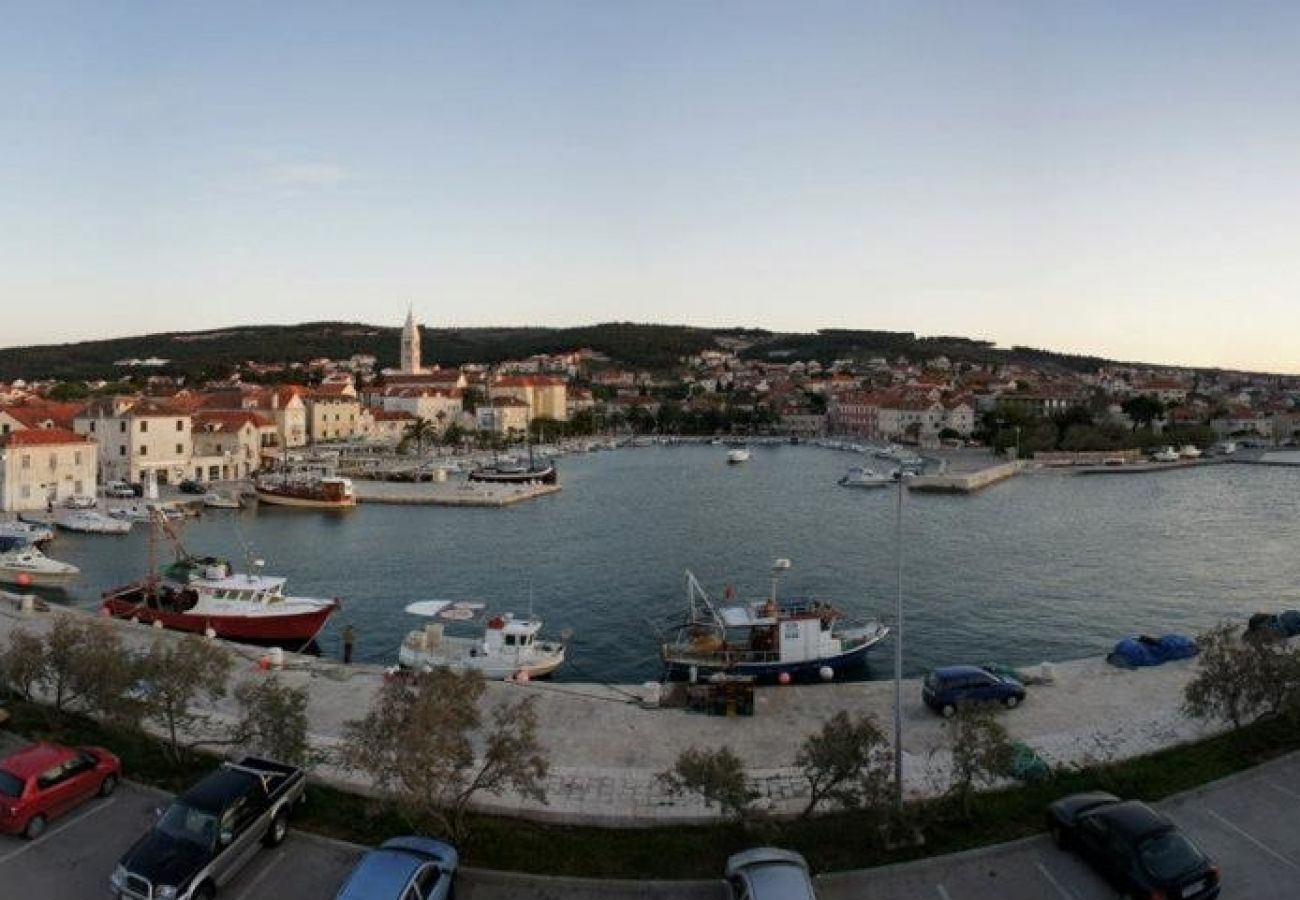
846,762
981,752
718,776
22,663
102,676
1238,681
177,674
418,744
273,720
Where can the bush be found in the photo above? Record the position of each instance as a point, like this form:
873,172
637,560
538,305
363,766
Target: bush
716,775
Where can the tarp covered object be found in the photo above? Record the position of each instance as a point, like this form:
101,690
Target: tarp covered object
1148,651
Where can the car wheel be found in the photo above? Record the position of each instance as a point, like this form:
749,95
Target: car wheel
275,835
948,711
108,785
1011,702
35,827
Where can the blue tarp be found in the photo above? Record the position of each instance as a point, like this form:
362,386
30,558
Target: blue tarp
1149,651
1285,624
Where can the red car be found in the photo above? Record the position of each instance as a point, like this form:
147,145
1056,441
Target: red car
44,781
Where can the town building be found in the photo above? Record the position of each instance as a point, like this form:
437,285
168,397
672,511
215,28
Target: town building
39,467
410,345
136,436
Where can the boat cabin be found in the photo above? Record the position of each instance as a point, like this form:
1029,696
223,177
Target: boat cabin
506,633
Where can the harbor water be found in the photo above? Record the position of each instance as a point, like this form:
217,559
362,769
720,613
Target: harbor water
1041,567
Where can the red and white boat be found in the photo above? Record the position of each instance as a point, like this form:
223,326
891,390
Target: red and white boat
201,594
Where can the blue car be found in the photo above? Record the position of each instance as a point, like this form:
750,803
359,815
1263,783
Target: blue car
404,868
948,688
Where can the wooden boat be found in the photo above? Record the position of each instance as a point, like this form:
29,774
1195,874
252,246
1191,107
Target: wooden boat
315,492
799,638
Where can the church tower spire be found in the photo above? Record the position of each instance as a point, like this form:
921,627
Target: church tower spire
410,344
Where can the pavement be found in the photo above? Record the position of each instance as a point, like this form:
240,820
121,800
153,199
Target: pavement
1249,823
606,749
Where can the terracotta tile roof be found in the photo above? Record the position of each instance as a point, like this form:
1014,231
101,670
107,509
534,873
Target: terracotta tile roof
229,420
34,437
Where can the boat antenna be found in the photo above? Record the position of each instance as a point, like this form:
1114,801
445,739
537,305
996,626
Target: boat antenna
778,568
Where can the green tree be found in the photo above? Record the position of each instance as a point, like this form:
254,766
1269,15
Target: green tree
273,720
718,776
417,743
1143,409
419,431
22,663
1238,681
847,762
179,673
981,752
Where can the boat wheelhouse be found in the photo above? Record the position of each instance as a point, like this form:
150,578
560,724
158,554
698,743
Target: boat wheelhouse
766,639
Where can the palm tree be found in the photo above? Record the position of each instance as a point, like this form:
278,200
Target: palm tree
419,431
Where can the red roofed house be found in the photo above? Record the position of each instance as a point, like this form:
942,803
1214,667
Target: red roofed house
39,466
136,436
546,395
390,425
229,444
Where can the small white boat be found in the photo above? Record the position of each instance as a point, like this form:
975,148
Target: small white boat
1189,451
88,521
214,500
27,565
27,532
78,501
861,476
508,647
1165,455
737,456
144,512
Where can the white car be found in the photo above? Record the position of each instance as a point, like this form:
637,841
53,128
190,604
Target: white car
118,489
79,501
769,873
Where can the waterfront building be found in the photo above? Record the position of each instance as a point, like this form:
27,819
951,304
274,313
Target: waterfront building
333,416
502,415
230,444
389,427
546,396
439,407
40,466
135,436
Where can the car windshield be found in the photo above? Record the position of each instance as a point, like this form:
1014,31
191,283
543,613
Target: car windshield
10,784
185,823
1169,855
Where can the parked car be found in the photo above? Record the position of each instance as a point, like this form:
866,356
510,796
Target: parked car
190,486
947,688
1134,847
44,781
118,489
769,873
404,868
206,835
79,501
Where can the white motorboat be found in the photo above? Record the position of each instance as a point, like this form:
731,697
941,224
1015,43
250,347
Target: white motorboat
215,500
27,532
737,456
27,565
89,521
1165,455
144,512
1189,451
861,476
507,648
78,501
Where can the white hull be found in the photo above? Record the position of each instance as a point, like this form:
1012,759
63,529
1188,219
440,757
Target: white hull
92,523
30,566
465,654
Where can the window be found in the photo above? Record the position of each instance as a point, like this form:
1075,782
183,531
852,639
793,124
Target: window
92,427
76,457
180,449
144,426
121,450
27,461
426,880
180,425
144,450
122,426
76,487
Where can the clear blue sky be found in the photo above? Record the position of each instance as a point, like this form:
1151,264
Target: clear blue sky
1120,178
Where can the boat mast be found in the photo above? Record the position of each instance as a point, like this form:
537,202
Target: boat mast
778,568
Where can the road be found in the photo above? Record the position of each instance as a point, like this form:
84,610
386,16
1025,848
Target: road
1249,823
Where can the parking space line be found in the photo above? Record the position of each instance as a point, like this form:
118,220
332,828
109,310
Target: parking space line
1254,840
1282,790
943,892
257,879
52,832
1060,889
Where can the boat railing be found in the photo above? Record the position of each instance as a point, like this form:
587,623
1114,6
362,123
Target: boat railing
688,655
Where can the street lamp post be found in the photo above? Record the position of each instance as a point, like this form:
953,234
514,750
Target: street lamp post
898,650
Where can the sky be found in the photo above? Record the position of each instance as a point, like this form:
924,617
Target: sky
1113,178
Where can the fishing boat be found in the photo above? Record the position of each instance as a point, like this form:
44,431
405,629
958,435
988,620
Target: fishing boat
306,491
861,476
144,512
512,471
89,521
206,594
27,532
737,456
768,639
505,646
25,565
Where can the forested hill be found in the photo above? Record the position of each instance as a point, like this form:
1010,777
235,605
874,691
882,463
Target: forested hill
216,352
657,347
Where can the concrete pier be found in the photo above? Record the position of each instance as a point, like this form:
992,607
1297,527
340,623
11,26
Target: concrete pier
964,482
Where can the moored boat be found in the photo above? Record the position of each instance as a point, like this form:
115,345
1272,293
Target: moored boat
205,594
25,565
311,492
89,521
737,456
766,639
27,532
216,500
861,476
507,647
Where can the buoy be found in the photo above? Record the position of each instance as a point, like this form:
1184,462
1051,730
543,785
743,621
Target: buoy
826,672
783,678
157,623
264,664
23,579
521,677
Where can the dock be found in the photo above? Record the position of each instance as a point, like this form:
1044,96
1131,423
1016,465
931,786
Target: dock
964,482
450,493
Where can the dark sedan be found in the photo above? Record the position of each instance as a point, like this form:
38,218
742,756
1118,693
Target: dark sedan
1139,851
190,486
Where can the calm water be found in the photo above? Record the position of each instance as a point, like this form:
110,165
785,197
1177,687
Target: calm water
1041,567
